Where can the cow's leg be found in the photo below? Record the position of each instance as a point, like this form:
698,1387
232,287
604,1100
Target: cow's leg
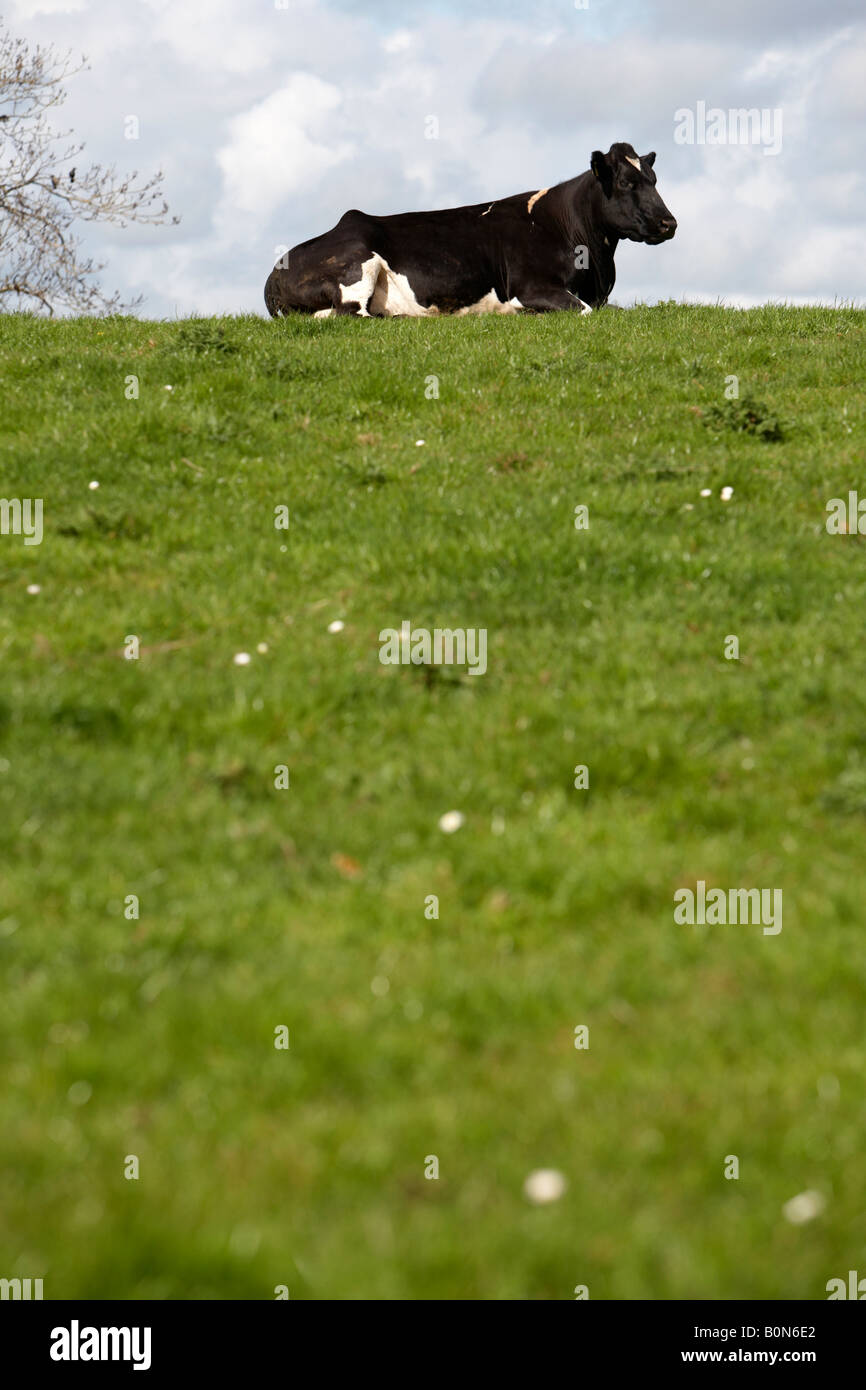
542,299
355,298
325,286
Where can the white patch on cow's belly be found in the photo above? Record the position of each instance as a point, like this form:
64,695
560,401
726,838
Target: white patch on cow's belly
394,295
490,303
384,291
362,291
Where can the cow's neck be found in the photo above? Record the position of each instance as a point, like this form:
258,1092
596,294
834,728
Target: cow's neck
579,211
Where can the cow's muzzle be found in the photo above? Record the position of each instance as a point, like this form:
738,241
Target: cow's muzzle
664,231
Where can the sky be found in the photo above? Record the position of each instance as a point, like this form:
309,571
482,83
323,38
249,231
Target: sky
270,118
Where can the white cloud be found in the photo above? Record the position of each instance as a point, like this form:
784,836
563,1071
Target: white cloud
280,146
826,258
28,9
398,42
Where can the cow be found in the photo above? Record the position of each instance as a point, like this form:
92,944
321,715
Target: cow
537,251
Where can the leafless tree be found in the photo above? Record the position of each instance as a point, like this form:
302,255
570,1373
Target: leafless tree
45,189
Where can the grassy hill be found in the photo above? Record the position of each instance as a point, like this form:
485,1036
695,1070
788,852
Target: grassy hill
261,907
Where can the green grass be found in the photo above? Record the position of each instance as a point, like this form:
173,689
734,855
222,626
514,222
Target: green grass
262,907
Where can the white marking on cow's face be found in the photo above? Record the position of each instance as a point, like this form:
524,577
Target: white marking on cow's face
535,197
635,162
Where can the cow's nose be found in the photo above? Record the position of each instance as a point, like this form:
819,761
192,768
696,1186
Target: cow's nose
669,224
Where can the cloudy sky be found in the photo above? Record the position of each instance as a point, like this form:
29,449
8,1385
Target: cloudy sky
270,118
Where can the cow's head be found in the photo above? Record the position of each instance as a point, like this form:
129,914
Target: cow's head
632,208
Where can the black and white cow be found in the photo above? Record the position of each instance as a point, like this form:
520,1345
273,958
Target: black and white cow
551,249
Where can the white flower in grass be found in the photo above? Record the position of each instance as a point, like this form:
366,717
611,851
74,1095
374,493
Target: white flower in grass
241,658
706,492
544,1185
451,821
93,486
336,626
804,1207
418,443
262,648
34,588
726,494
168,388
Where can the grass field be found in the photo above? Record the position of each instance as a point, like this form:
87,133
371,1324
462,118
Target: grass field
412,1036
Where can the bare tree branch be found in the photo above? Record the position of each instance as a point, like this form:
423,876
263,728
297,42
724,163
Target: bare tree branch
44,190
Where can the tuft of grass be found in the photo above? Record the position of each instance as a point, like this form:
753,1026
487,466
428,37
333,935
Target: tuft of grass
166,907
746,416
202,337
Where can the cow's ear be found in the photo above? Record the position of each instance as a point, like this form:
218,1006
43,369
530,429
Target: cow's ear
602,170
649,159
